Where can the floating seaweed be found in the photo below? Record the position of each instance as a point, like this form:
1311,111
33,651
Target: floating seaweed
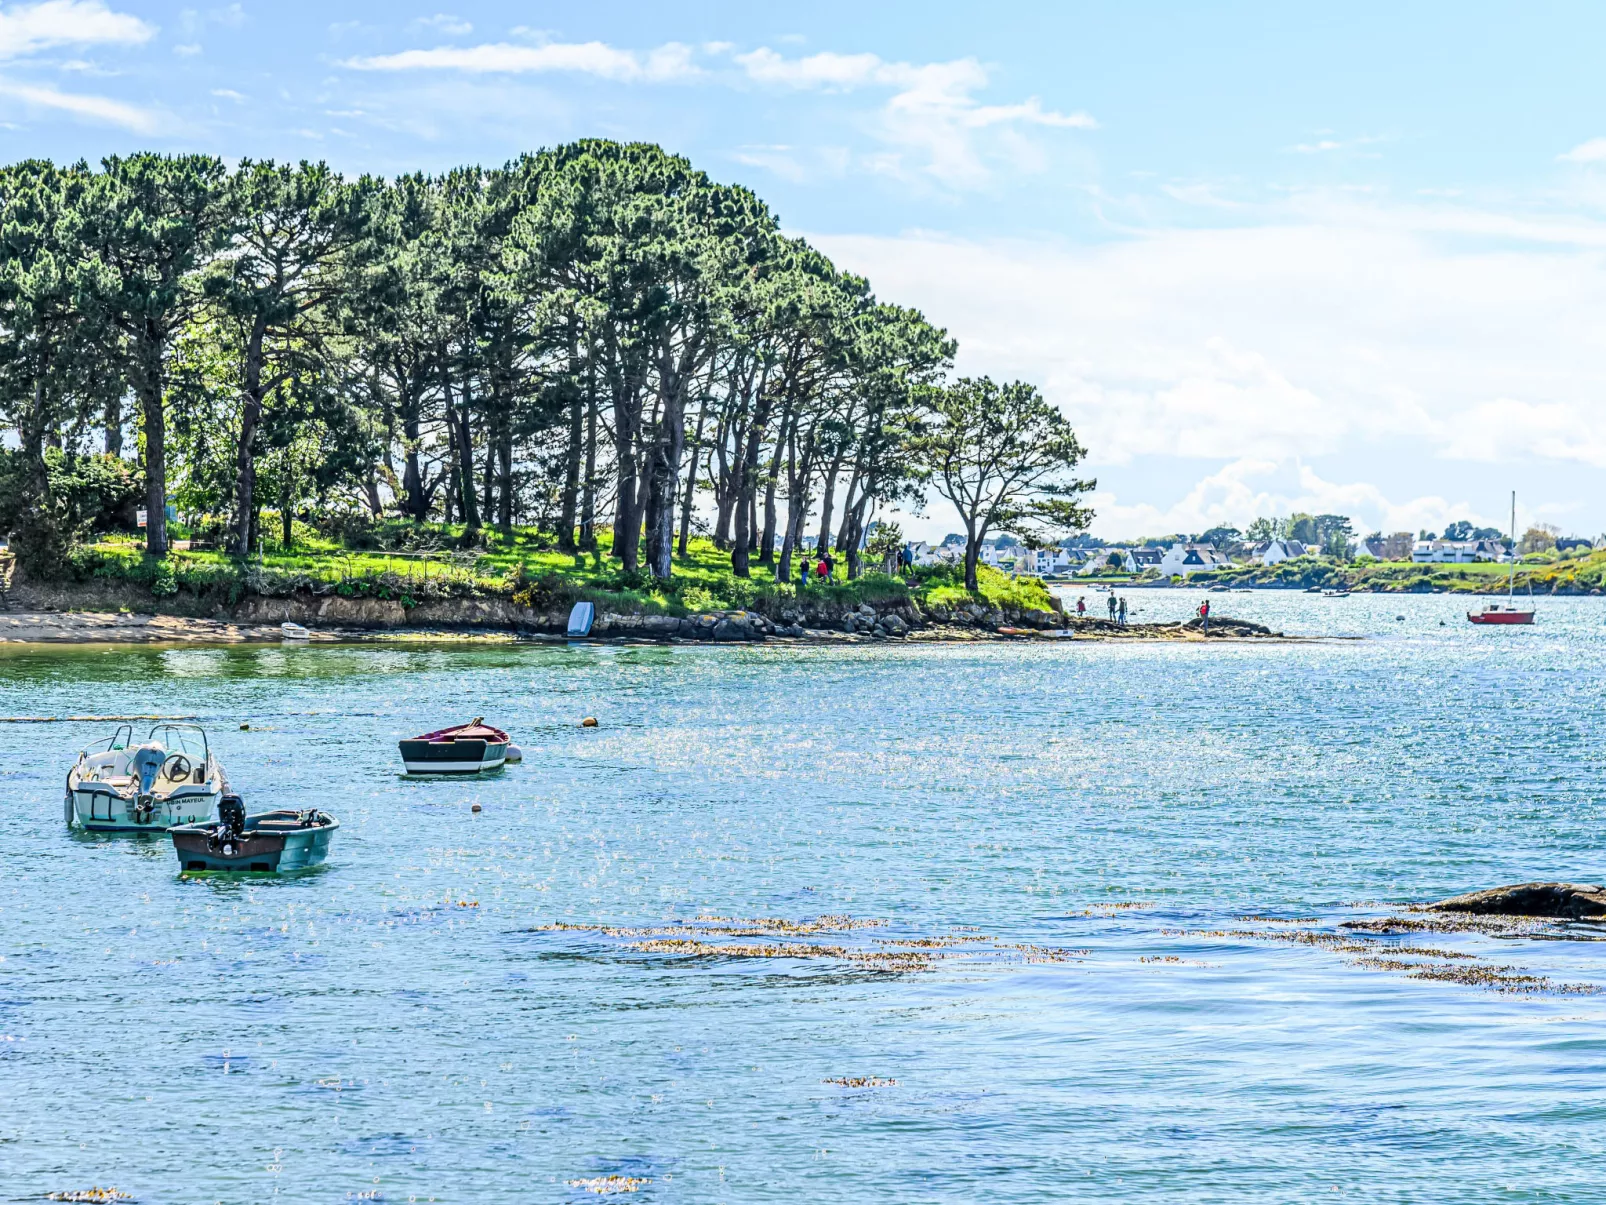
604,1185
694,939
94,1196
861,1081
1361,940
1280,920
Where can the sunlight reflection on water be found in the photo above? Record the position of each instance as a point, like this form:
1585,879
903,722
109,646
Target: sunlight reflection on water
402,1020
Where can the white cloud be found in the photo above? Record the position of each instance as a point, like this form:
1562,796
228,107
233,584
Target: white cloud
187,49
671,61
1395,346
26,28
933,118
95,108
447,23
1251,487
1593,151
1324,146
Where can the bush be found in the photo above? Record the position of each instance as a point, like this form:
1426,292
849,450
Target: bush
696,598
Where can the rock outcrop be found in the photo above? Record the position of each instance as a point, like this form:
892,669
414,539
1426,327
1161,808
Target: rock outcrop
1569,901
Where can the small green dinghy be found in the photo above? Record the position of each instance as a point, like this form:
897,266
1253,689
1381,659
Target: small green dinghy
267,841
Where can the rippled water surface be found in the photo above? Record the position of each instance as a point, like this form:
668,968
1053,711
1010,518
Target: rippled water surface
413,1022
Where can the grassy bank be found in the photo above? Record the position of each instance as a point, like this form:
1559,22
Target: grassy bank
526,569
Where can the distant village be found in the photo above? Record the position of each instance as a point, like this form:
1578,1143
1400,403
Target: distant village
1267,542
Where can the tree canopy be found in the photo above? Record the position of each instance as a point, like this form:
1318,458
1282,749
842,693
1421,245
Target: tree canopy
592,336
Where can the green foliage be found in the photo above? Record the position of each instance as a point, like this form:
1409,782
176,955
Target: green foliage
1000,454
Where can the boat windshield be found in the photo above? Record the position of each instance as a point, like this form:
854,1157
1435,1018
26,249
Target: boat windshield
188,739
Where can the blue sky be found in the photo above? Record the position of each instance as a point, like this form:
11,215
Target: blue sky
1266,257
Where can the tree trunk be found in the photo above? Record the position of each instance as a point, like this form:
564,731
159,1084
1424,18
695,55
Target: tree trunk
691,482
465,457
766,546
571,475
588,495
627,523
828,504
287,507
664,475
155,429
250,419
493,429
972,555
112,419
504,494
797,497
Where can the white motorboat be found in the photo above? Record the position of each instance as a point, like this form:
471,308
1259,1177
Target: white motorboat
170,778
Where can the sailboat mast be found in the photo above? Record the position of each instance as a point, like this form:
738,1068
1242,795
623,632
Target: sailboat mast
1511,586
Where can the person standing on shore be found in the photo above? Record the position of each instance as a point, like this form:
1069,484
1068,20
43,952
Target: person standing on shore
1111,601
803,573
828,567
1081,607
1123,612
1204,616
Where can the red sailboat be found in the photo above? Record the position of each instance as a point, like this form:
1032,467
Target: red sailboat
1508,611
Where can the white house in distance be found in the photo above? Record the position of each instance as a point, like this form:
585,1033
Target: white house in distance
1279,550
1183,560
924,553
1457,552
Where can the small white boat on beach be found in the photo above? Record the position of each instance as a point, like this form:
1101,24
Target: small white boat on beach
293,631
169,778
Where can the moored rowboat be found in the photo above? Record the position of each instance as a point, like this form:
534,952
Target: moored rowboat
466,749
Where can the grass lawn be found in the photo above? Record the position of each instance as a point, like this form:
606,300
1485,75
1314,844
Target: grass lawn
528,567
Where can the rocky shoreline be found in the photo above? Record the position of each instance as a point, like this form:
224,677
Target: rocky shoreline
333,618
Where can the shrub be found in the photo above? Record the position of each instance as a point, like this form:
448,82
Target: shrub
697,598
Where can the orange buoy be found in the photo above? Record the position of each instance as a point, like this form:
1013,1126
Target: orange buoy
589,722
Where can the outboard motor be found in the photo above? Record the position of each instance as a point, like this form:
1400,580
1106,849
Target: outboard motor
145,763
225,839
230,816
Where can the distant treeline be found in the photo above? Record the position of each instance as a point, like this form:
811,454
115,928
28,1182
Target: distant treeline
589,336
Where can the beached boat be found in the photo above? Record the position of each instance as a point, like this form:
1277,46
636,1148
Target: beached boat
466,749
267,841
169,778
1508,611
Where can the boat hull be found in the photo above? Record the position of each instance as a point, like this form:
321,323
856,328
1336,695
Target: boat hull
452,757
258,850
103,809
1501,617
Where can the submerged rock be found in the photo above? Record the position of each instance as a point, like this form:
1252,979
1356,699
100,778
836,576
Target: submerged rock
1573,901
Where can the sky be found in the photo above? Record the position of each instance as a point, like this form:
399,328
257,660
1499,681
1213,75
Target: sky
1266,257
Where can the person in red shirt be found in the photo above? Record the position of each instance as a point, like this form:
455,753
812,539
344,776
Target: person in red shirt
1204,615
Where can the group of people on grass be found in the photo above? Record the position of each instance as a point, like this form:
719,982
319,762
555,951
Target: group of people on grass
819,569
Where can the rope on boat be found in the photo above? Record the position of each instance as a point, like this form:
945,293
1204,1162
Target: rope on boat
86,719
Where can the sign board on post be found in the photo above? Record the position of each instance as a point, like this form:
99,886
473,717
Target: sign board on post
142,516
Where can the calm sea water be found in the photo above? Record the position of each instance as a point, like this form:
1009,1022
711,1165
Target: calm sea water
405,1024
